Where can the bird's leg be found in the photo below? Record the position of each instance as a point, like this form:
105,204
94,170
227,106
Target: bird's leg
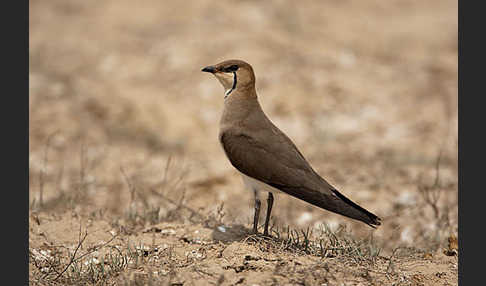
257,212
269,211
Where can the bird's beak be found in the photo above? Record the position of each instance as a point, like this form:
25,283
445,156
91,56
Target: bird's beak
209,69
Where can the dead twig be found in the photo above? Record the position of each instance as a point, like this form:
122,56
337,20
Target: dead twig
431,193
131,188
44,167
73,257
178,204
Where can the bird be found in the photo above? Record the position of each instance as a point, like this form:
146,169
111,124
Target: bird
266,158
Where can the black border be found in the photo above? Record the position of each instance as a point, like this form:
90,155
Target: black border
471,143
15,140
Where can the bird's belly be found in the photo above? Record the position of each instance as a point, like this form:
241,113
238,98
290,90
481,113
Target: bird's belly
258,186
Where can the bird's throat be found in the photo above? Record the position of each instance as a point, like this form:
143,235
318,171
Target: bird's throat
233,87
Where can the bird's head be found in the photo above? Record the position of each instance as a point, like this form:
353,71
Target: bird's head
234,75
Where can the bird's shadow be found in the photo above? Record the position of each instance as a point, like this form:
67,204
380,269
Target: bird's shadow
230,233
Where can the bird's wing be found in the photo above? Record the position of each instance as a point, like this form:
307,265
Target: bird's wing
277,162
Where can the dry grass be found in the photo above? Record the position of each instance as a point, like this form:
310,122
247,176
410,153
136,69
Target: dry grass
129,186
179,253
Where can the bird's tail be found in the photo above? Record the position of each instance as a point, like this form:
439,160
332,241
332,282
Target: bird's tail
353,210
332,201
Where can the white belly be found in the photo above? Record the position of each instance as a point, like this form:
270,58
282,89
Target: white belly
258,186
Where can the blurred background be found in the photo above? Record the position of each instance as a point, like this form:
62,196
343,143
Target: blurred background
367,90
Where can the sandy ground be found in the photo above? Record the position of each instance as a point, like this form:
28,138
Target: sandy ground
123,140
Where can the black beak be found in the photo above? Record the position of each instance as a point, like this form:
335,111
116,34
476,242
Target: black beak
210,69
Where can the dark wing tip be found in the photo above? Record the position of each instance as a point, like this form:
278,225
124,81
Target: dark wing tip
366,216
375,222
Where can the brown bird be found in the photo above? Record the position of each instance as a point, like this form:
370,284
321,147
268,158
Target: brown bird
266,158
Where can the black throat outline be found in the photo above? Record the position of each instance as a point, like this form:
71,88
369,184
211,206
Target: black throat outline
233,87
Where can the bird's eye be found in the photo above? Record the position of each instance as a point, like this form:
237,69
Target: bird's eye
232,68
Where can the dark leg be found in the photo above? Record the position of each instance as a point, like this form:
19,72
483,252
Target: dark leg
269,211
257,213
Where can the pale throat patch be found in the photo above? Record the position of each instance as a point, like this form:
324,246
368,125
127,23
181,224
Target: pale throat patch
228,80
